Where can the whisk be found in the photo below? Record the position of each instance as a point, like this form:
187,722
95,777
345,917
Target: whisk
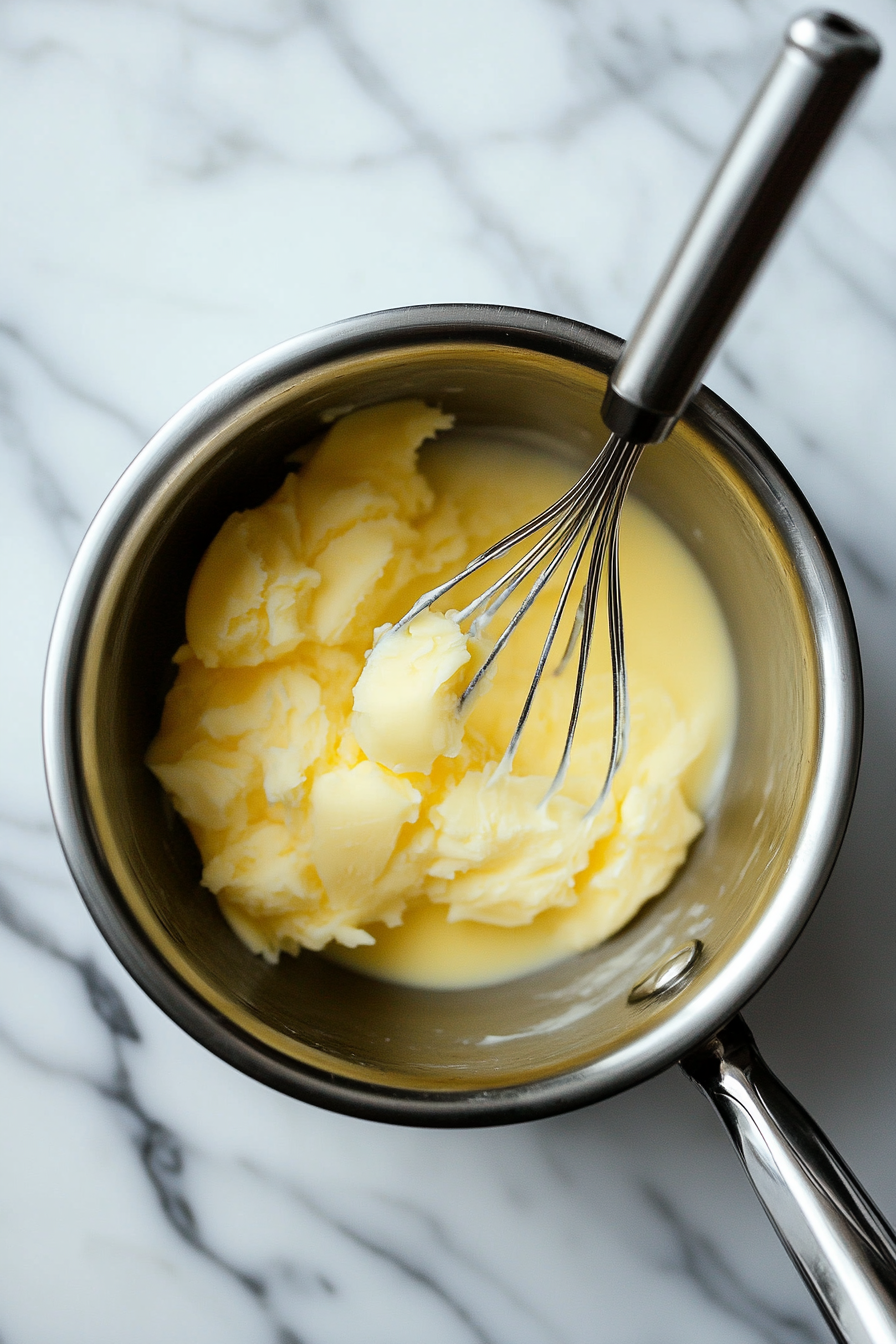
824,60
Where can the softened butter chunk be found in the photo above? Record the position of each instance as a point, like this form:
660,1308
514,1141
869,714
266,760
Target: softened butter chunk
356,818
250,594
502,857
319,757
406,700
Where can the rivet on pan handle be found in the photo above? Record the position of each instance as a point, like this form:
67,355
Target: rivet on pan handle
669,974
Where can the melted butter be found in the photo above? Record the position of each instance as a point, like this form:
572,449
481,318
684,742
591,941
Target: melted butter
353,813
676,639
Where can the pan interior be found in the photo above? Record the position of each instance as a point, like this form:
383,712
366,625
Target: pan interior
558,1019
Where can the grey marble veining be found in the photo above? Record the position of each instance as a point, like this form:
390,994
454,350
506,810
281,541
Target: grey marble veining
187,183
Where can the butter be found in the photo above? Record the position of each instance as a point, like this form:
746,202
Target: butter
338,797
406,711
357,815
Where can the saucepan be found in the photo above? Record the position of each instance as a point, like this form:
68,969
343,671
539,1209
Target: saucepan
668,987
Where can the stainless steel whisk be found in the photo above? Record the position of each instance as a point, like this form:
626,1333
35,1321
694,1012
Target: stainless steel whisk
824,61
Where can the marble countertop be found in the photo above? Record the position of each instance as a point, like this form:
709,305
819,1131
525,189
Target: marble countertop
186,183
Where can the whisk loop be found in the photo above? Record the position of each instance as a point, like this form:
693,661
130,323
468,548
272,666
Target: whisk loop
585,518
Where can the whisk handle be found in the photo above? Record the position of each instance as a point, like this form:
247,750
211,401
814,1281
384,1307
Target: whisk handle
824,61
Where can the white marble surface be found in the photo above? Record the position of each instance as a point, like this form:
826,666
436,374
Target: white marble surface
186,183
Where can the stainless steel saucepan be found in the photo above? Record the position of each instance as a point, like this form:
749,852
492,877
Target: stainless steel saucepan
667,988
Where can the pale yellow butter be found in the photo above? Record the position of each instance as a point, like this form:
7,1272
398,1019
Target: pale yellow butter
334,790
406,700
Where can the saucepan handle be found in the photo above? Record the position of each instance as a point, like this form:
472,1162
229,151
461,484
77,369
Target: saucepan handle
835,1236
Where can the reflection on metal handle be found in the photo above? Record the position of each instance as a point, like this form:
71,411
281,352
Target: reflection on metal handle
824,61
836,1237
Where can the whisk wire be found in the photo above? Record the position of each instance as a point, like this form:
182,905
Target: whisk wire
606,537
587,514
561,538
567,541
619,742
509,754
508,583
500,548
573,638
